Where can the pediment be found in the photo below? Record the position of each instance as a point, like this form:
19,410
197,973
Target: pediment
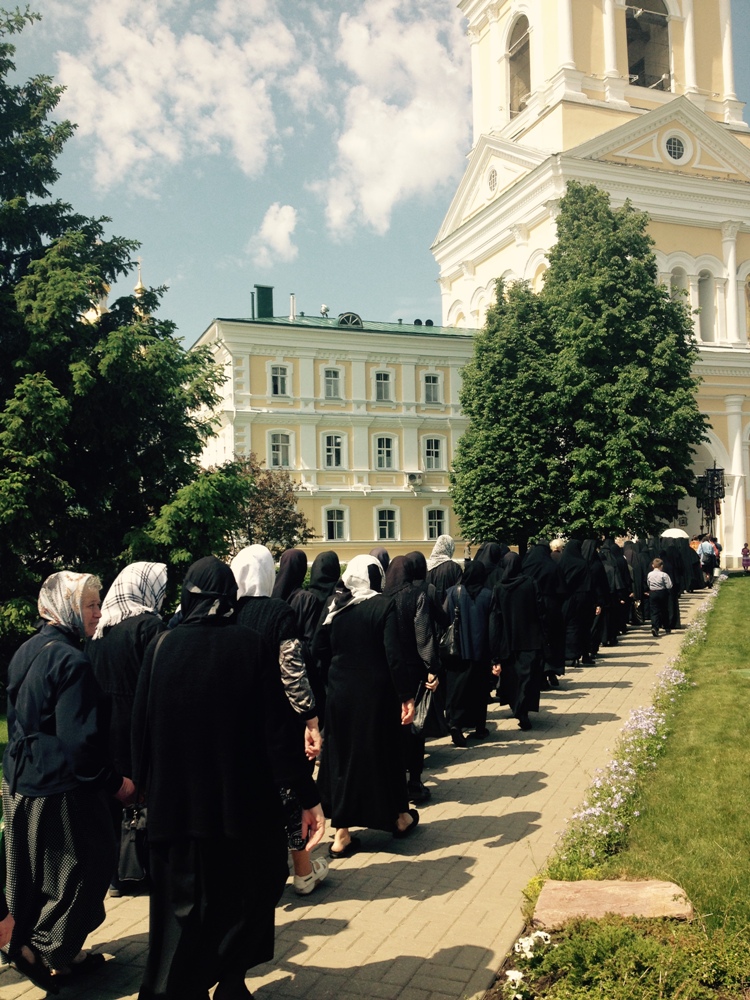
494,166
676,138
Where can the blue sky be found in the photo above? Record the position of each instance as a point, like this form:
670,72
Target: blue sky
312,146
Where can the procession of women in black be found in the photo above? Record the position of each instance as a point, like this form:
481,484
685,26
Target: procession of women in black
265,708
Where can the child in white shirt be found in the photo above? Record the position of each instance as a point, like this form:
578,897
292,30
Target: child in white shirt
659,585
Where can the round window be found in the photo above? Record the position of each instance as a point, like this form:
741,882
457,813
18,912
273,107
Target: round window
492,179
675,147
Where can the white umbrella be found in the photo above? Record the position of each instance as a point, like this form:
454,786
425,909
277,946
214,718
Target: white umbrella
674,533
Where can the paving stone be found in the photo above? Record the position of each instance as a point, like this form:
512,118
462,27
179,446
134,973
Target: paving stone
560,902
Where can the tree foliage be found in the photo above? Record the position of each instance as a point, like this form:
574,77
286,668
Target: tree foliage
101,419
582,399
221,511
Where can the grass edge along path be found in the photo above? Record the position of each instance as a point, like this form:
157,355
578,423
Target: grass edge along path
673,804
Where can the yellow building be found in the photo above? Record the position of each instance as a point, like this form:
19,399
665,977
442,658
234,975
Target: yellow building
639,99
364,416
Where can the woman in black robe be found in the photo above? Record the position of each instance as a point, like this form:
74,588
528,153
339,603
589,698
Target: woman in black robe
578,602
541,567
621,589
491,555
599,601
362,779
469,681
211,735
57,781
130,620
517,640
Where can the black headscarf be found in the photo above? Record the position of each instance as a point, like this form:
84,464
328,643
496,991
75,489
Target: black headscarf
574,567
512,563
419,565
540,566
382,556
324,575
491,555
474,578
292,569
400,573
209,592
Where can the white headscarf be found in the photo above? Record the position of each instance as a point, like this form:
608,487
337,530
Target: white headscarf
137,590
442,551
356,586
61,596
254,571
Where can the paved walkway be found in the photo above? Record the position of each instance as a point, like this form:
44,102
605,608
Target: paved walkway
431,917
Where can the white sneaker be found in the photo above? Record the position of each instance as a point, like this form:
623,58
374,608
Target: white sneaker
304,884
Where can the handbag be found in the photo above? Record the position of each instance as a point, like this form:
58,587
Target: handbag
131,866
429,713
132,862
450,643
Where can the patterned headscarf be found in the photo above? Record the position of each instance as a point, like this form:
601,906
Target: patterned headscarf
442,551
140,588
363,578
254,571
61,597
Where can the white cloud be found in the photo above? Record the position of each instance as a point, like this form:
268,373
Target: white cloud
273,241
407,113
159,82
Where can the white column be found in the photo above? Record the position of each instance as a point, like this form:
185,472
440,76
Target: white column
610,39
476,82
410,456
359,385
360,448
729,244
725,20
691,73
308,447
695,305
735,537
498,71
307,383
720,301
565,22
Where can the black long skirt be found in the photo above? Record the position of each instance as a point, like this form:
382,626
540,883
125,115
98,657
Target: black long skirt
468,692
211,916
521,680
60,851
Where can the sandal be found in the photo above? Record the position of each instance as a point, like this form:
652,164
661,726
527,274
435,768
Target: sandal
36,971
409,830
353,847
92,962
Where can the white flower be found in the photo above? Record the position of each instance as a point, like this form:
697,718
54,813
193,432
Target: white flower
514,975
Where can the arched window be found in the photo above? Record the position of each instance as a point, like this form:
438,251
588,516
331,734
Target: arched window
707,304
678,284
648,44
519,62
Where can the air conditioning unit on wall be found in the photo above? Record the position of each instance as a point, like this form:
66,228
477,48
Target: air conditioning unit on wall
414,479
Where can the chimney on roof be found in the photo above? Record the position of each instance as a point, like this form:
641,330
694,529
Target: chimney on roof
292,307
264,297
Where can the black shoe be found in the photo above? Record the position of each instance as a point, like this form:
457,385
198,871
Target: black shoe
552,680
588,660
418,792
523,721
457,738
654,632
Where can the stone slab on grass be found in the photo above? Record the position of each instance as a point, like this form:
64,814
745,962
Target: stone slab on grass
560,902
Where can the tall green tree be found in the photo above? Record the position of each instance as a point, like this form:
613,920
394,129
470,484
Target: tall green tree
507,395
623,372
582,399
102,417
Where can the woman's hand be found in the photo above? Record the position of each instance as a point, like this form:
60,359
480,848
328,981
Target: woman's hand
496,669
432,682
126,795
407,712
6,929
313,739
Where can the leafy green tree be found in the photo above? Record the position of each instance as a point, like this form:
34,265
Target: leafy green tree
625,390
222,510
102,412
507,395
582,400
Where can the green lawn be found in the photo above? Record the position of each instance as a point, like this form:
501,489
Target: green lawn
694,827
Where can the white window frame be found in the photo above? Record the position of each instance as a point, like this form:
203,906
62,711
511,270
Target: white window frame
344,519
445,529
270,444
344,439
391,385
394,452
437,386
387,508
324,384
442,457
288,374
